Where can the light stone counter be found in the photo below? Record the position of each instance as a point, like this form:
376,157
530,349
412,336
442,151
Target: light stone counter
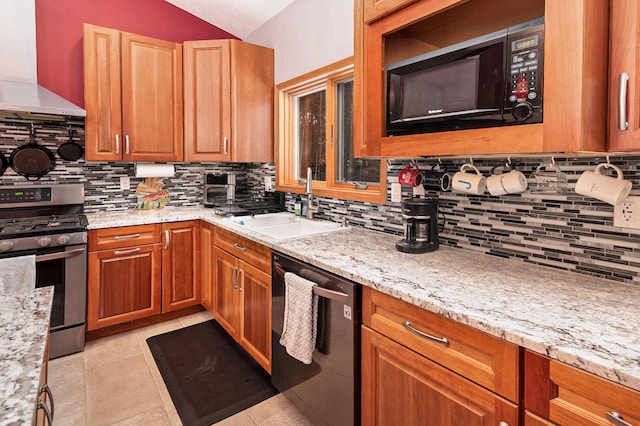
586,322
24,329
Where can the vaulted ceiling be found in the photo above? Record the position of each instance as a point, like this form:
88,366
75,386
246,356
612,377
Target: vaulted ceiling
238,17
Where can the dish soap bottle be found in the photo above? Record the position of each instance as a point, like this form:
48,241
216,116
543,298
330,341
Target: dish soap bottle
297,207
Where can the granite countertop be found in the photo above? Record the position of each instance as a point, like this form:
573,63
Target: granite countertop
24,330
586,322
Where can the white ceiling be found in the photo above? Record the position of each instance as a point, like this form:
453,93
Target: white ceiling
238,17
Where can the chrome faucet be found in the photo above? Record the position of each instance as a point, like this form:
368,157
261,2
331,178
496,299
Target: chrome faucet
311,209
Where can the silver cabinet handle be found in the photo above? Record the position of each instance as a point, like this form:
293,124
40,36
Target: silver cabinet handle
42,406
166,239
240,271
121,252
441,340
234,277
623,124
117,144
126,144
617,419
239,247
126,237
46,389
224,145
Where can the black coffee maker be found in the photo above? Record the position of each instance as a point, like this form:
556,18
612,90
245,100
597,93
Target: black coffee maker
420,225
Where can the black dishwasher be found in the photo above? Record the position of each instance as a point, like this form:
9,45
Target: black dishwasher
327,391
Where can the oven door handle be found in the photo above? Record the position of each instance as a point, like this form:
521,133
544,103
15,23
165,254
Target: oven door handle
61,255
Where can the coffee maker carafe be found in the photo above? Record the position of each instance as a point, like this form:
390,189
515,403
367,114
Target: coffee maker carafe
420,217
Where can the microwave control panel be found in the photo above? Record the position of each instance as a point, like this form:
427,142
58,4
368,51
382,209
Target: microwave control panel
525,60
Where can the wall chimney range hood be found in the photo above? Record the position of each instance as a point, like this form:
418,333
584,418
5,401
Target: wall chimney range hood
31,101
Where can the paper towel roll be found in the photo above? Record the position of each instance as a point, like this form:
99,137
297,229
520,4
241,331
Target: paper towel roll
144,170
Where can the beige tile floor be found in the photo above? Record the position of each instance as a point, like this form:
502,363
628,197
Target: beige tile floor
115,382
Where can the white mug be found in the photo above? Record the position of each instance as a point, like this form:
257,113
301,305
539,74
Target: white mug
602,187
512,182
468,182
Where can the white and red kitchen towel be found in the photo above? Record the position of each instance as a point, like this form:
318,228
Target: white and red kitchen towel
300,317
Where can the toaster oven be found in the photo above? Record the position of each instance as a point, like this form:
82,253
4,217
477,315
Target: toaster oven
219,188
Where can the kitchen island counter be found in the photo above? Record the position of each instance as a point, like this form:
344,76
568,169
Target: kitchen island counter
24,331
587,322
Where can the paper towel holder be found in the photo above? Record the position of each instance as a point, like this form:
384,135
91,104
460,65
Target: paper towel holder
147,170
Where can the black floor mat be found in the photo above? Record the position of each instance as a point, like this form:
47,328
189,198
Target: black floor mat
208,375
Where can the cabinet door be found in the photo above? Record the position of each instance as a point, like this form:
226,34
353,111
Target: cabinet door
123,285
226,296
103,131
400,387
207,266
581,398
255,336
151,99
229,94
376,9
207,100
180,265
625,42
252,88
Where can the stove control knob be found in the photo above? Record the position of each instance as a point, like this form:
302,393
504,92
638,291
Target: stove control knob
63,239
6,246
44,241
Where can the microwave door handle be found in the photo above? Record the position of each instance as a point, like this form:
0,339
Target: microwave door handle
61,255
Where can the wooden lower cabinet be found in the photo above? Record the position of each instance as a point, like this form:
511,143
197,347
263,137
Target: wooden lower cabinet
243,305
146,270
242,294
41,417
124,285
400,387
564,395
422,368
207,269
180,265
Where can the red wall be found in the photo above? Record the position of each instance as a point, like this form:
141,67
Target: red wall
59,34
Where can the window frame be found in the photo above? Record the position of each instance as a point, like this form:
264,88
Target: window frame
286,148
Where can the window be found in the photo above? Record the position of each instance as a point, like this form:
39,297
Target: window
315,130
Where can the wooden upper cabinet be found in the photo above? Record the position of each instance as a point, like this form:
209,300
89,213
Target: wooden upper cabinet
625,107
575,74
102,99
376,9
133,97
229,95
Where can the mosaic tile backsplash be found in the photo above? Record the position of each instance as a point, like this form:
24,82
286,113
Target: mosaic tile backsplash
564,231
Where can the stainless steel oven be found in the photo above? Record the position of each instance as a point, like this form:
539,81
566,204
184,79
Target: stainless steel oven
48,222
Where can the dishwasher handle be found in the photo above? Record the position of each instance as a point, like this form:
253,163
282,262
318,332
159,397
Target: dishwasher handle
320,291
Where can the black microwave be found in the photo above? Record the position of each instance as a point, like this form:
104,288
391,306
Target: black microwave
492,80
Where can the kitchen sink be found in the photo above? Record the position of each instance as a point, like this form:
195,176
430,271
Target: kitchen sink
283,226
262,220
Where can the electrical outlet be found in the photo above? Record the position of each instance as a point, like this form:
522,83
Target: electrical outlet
125,183
627,213
418,191
396,192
